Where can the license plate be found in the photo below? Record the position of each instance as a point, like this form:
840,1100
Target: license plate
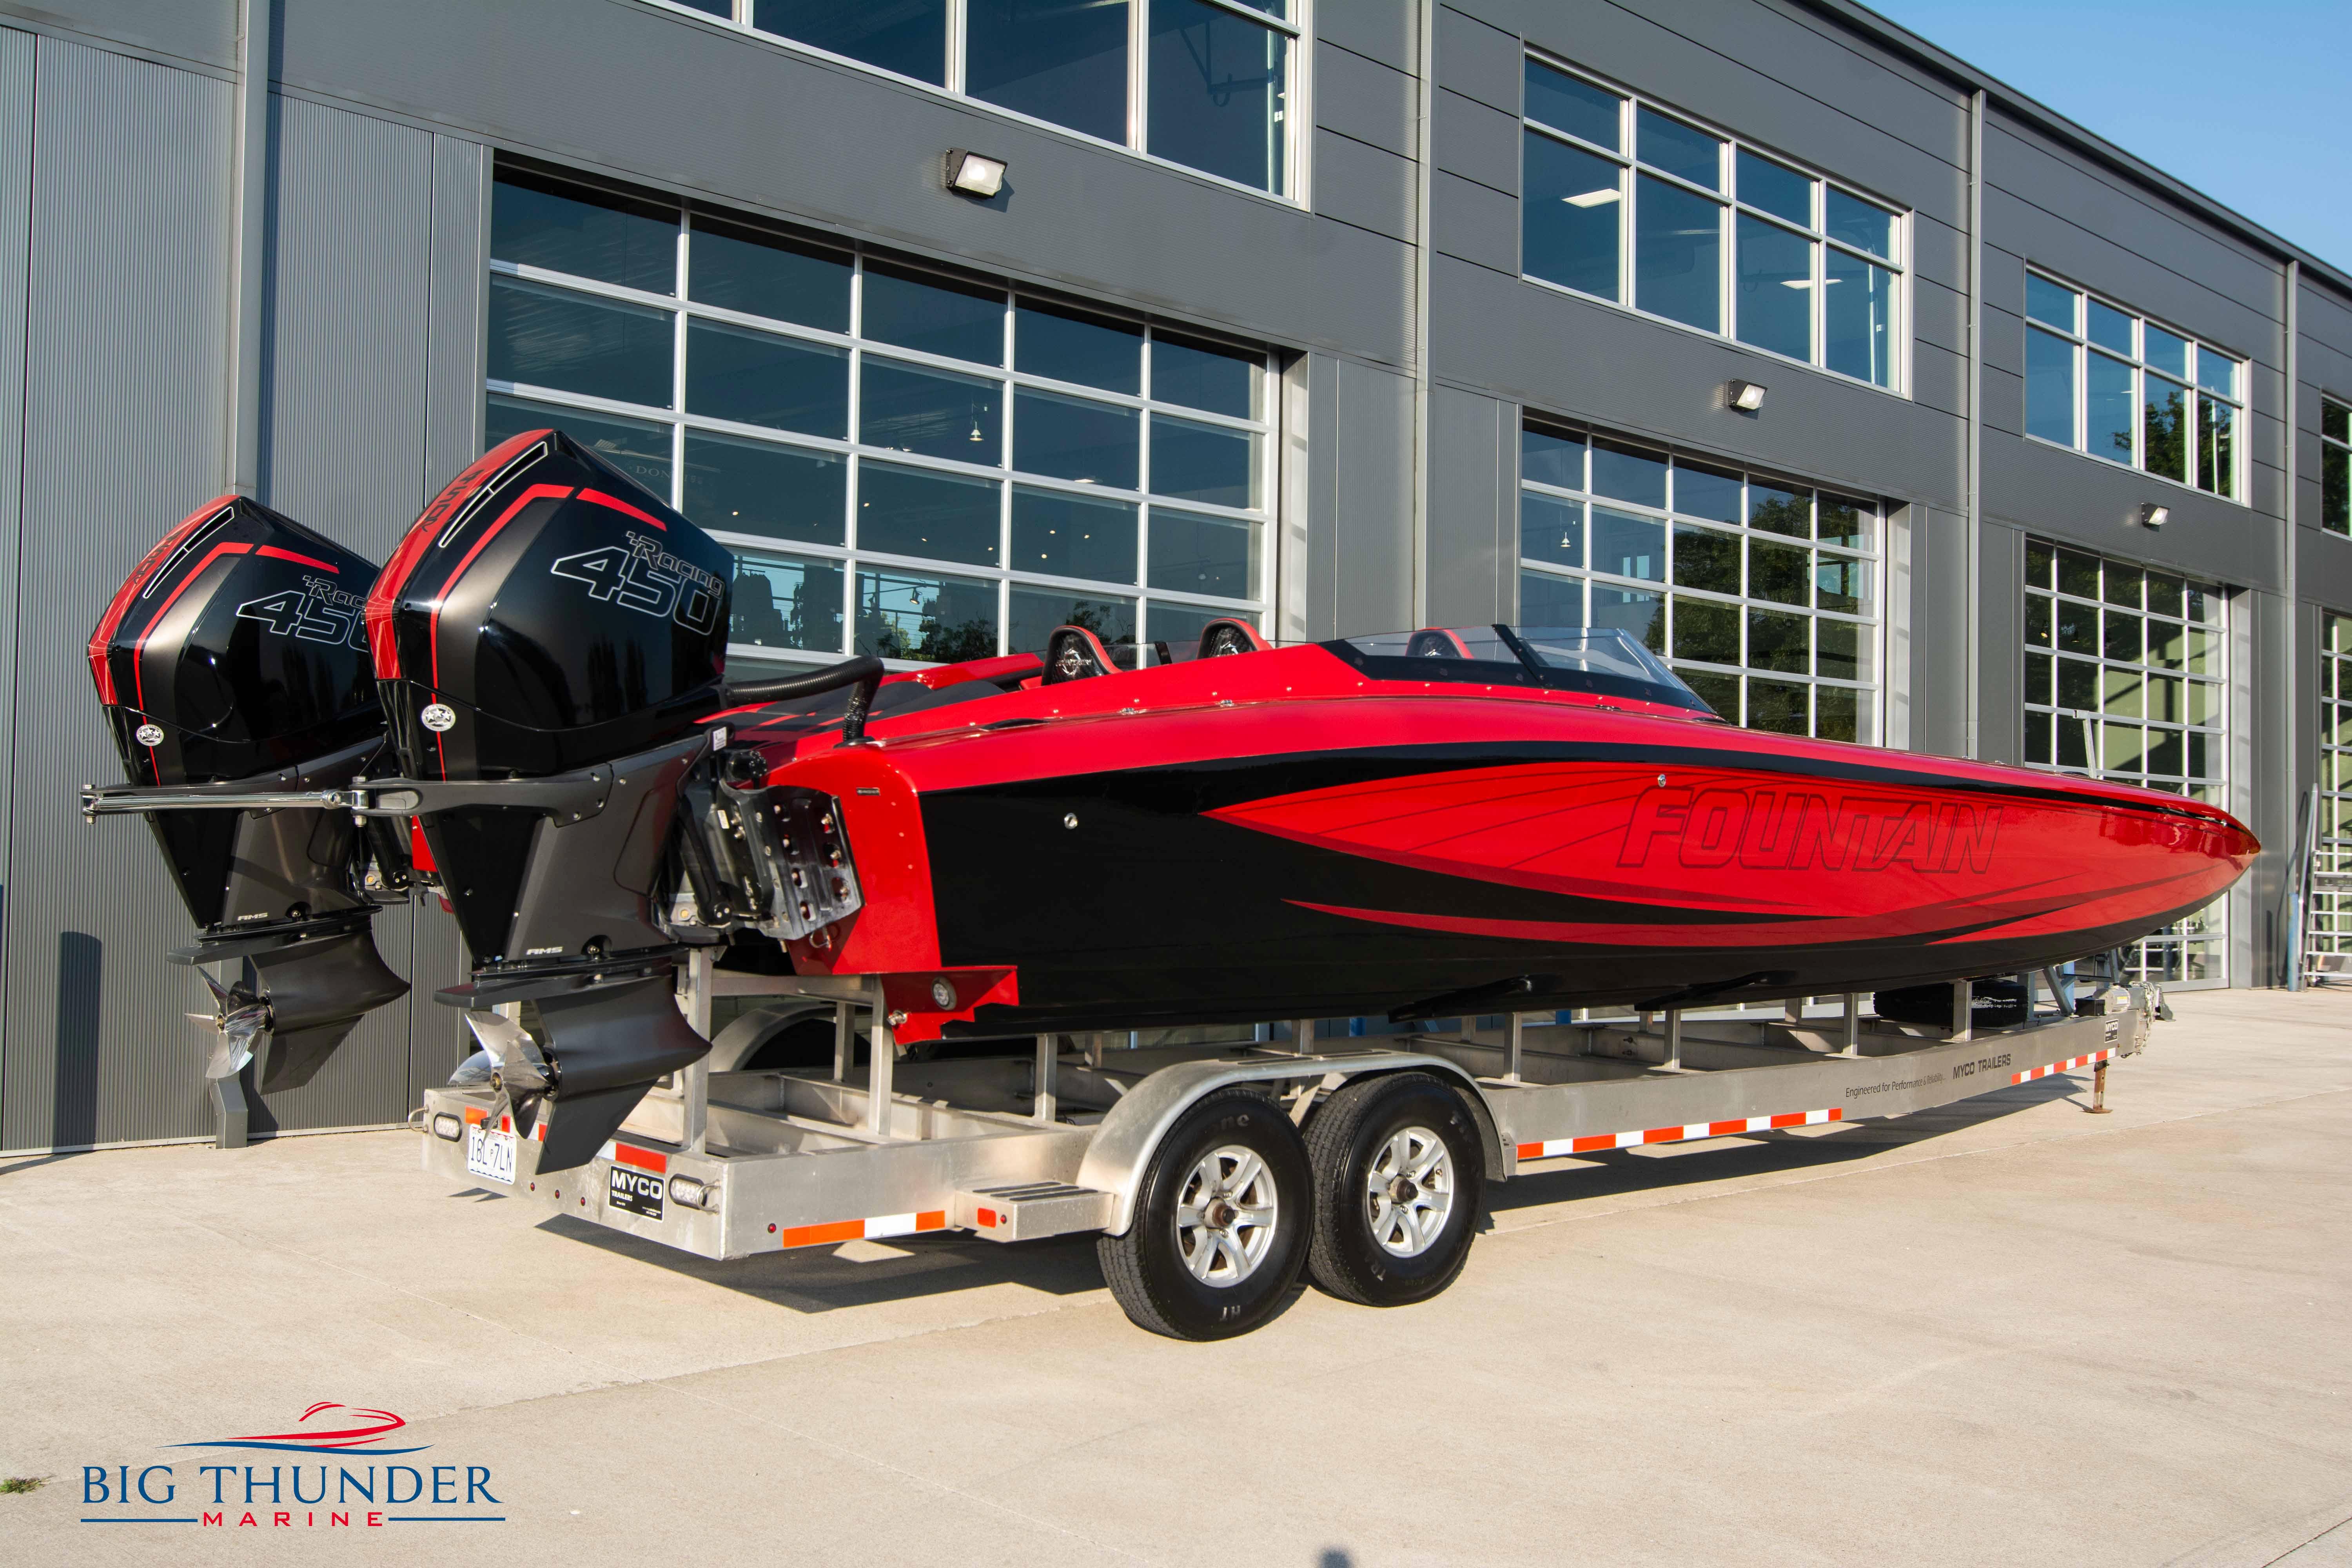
633,1191
490,1153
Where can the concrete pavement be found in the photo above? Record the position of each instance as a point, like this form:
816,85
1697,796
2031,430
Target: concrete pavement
2002,1332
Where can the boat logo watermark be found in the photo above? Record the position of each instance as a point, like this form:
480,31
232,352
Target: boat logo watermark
322,1474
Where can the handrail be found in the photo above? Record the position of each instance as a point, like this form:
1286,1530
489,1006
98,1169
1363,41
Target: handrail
865,674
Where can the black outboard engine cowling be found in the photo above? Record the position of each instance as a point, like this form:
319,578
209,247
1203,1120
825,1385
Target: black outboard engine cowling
235,660
547,638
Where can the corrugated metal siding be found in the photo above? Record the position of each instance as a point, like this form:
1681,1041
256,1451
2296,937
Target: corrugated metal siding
122,437
16,228
453,437
351,233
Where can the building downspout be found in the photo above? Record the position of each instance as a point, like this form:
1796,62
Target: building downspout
1423,228
1972,639
249,178
2297,899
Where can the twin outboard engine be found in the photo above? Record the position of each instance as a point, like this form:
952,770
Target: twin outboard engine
547,638
234,672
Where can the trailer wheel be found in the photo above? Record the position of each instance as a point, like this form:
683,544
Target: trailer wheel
1399,1174
1221,1224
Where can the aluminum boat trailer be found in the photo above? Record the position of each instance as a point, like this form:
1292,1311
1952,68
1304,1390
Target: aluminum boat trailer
1215,1173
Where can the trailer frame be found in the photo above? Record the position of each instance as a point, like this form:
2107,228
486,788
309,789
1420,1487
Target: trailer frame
1012,1147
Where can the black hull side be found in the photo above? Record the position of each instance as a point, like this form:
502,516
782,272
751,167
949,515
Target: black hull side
1146,914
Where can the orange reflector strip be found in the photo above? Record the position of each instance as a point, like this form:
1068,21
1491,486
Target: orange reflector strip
643,1159
818,1234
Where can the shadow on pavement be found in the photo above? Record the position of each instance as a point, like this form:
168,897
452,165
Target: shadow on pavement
860,1274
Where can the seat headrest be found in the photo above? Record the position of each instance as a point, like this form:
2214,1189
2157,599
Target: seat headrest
1073,653
1224,637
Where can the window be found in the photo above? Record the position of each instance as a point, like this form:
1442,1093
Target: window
2334,466
1204,83
2103,381
2331,897
909,463
1627,201
2124,680
1761,593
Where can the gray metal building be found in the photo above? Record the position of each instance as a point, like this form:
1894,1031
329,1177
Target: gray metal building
1348,314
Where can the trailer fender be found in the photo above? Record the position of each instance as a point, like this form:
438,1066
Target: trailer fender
1130,1134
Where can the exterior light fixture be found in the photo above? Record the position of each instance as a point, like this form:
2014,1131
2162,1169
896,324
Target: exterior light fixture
2153,515
1744,395
975,173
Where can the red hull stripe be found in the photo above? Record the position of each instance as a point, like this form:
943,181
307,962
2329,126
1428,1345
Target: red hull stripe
166,548
393,578
2069,1064
601,498
277,554
1595,1143
864,1229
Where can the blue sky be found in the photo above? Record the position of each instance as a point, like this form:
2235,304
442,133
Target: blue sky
2247,100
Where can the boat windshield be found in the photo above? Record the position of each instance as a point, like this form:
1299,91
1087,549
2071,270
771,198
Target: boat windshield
1598,660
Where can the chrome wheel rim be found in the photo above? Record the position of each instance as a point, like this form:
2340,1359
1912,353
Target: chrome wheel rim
1226,1216
1409,1192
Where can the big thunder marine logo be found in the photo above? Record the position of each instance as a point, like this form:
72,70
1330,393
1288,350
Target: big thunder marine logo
290,1493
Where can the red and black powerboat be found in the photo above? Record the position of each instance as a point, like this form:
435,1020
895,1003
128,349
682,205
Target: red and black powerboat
1425,823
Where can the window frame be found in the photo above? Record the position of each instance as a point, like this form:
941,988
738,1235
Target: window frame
1730,209
2079,339
855,451
2342,446
2212,787
1870,692
1296,112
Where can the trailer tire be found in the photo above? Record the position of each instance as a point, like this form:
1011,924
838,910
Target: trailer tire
1382,1237
1236,1265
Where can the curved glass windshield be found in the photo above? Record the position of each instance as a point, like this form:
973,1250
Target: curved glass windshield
1598,660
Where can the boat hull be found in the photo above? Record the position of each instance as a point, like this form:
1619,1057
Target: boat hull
1231,862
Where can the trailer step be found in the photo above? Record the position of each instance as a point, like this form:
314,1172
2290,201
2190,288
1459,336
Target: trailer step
1023,1211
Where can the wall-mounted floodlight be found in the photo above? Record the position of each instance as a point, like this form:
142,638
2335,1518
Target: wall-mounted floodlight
1744,395
975,173
2153,515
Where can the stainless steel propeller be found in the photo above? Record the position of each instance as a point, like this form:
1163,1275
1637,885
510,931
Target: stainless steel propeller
237,1021
520,1076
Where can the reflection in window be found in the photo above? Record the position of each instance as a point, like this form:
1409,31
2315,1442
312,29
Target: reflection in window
786,602
2124,679
1051,59
1075,438
1058,535
1810,271
540,221
735,486
2335,475
916,511
760,378
914,616
1215,91
1761,593
909,37
1037,612
970,498
577,343
1220,86
930,413
2136,405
